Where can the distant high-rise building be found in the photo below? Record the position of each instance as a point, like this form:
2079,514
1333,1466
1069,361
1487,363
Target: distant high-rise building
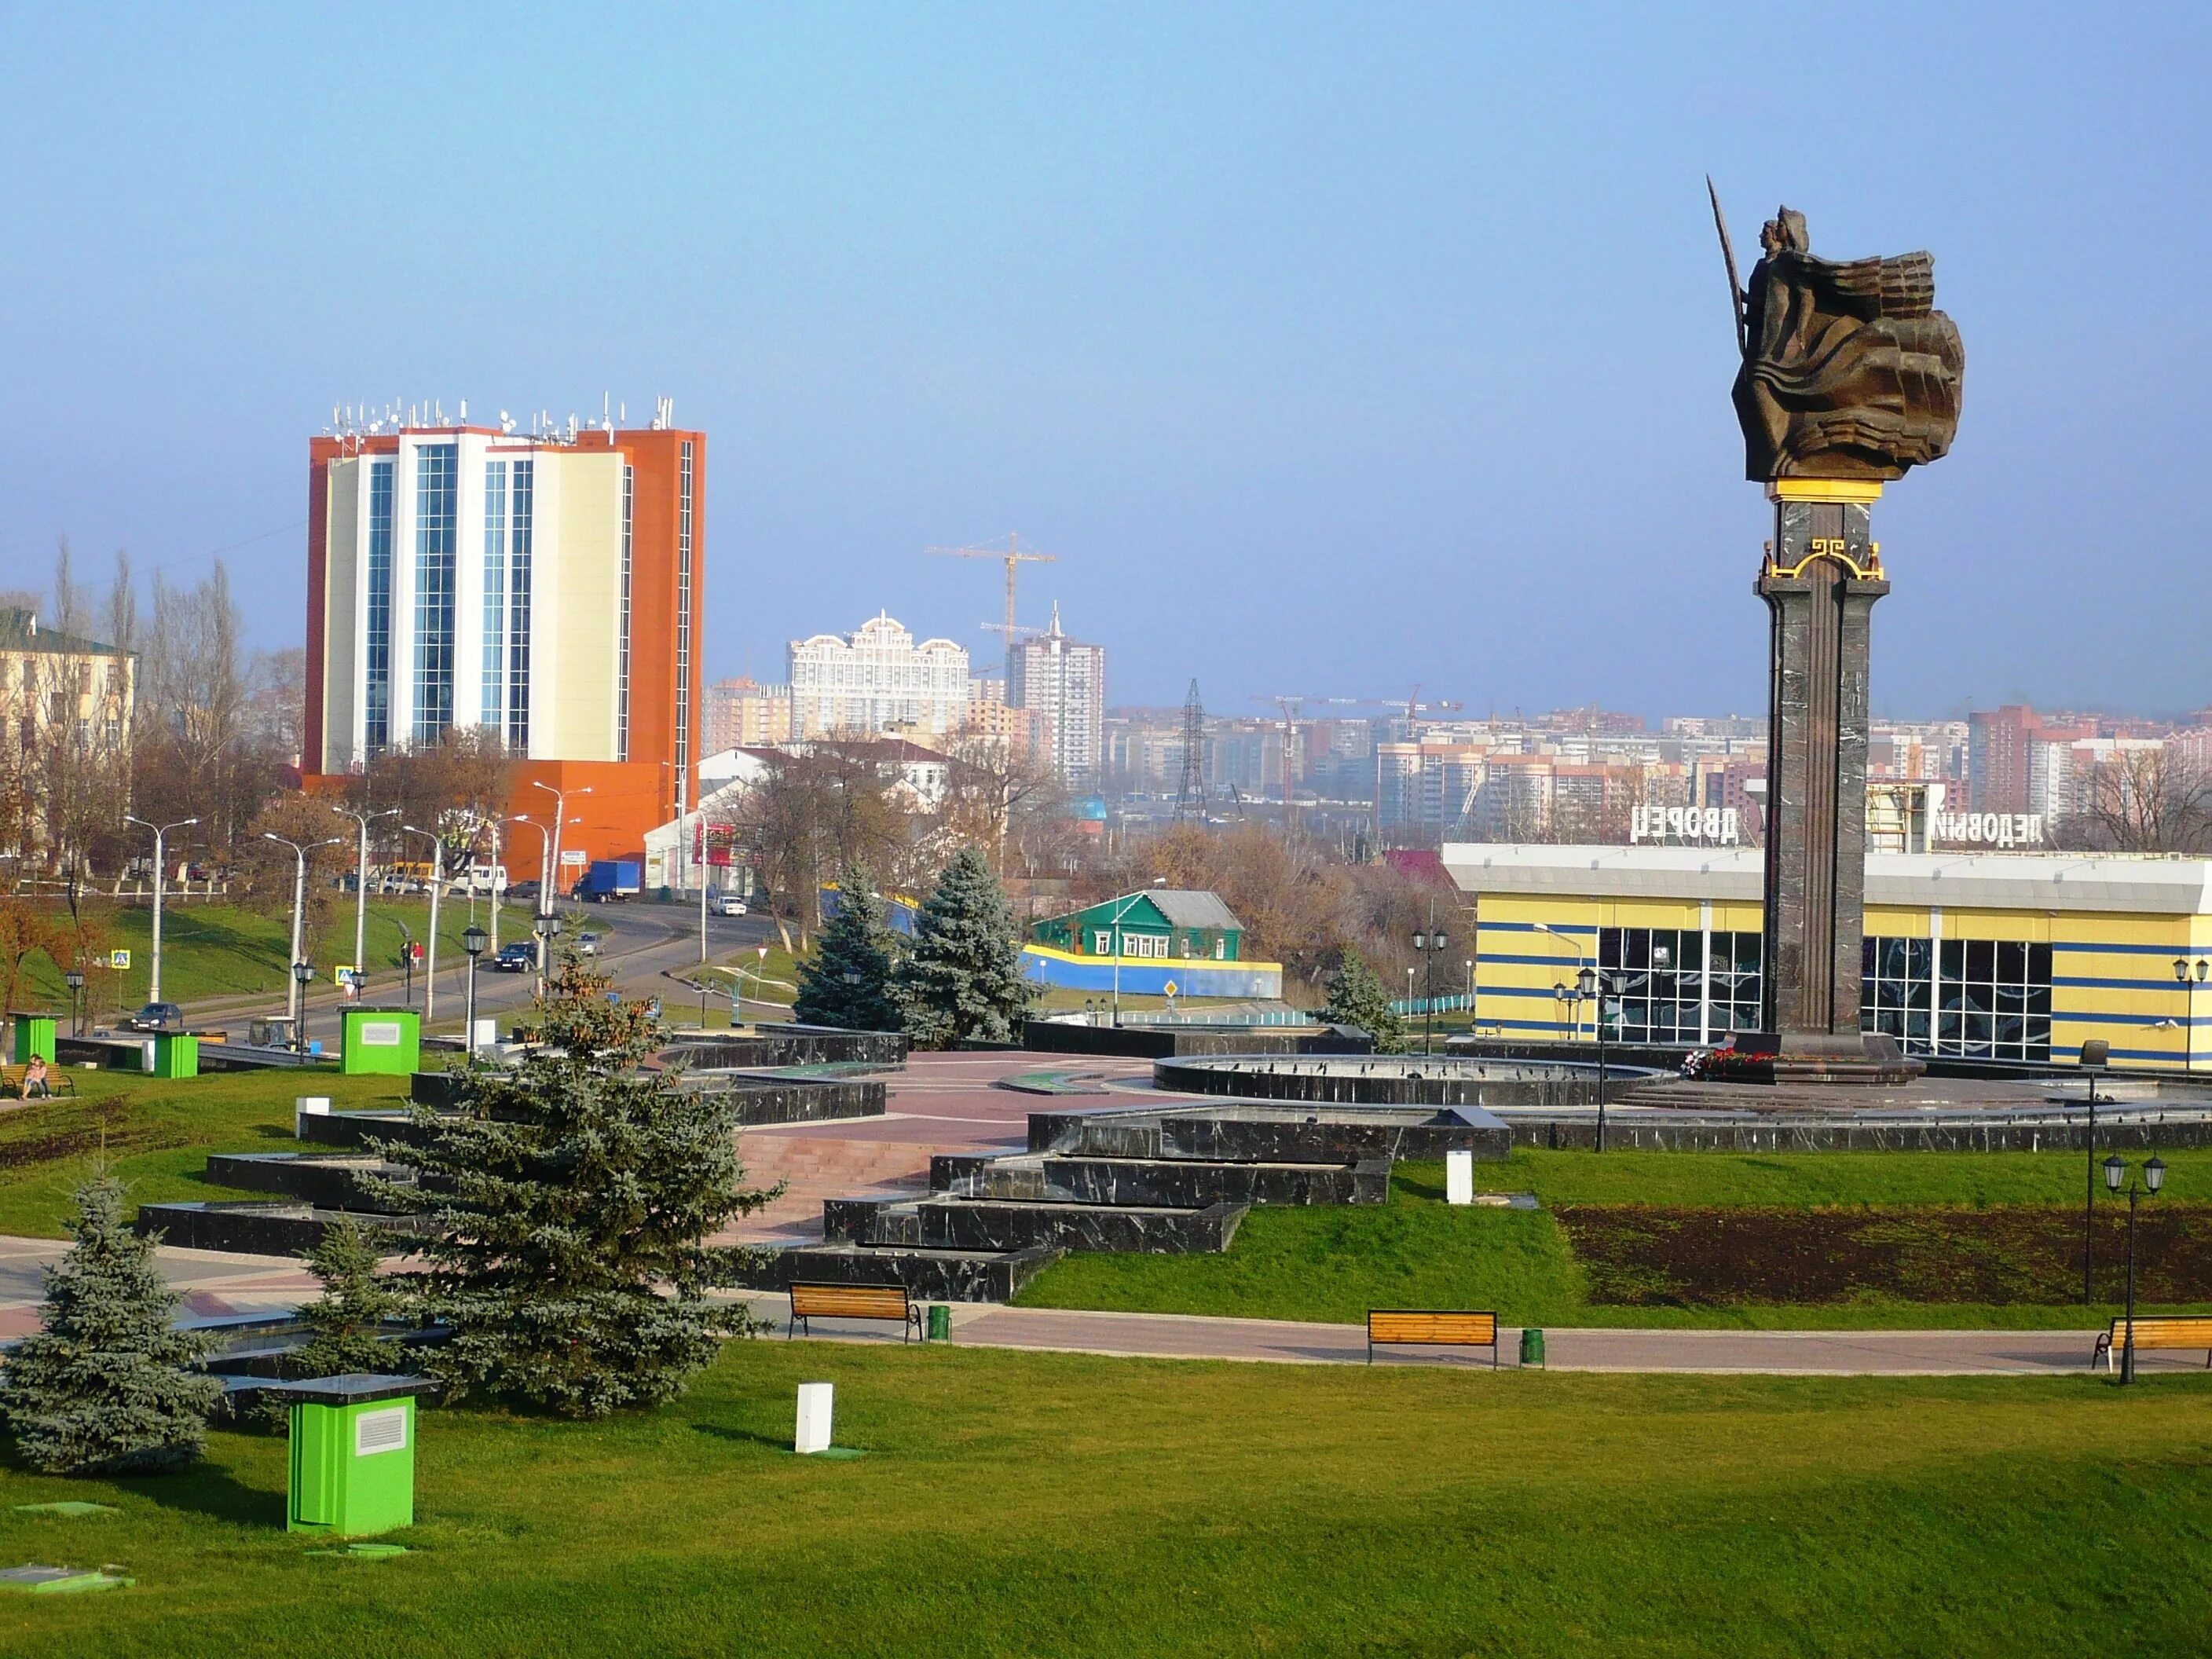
1065,680
877,679
744,714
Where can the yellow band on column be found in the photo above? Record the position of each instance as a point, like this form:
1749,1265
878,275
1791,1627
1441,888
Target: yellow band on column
1824,490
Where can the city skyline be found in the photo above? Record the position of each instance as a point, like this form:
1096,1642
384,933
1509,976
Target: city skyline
1231,337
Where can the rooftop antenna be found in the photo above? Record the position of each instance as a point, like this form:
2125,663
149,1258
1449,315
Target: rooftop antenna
465,411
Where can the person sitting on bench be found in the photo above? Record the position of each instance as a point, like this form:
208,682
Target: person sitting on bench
36,1086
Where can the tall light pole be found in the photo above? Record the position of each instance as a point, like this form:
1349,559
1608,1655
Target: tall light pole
545,844
300,850
1430,942
160,833
2096,1054
1593,983
2115,1171
437,886
560,817
361,881
1114,938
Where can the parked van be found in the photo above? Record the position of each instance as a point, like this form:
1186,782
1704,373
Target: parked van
485,878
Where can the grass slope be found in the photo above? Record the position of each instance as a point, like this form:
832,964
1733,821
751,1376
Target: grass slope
1333,1264
155,1135
1062,1505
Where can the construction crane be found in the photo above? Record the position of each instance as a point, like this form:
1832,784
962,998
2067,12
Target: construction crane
1015,556
1292,706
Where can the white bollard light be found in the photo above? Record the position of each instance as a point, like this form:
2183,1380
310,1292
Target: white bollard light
814,1405
305,1107
1459,1177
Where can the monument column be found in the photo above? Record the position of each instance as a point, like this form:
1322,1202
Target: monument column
1822,576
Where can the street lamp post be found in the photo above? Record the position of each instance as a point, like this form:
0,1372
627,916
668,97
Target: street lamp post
1430,942
548,928
1593,983
1114,938
472,941
560,817
2189,1007
160,833
301,973
361,881
2096,1053
2154,1177
75,980
430,952
300,850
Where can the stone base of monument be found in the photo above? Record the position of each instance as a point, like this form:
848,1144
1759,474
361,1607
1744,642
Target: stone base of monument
1818,1057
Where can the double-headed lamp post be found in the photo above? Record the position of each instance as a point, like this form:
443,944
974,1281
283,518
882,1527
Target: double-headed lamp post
553,854
430,954
75,980
300,851
1431,941
2189,982
1593,984
361,882
472,941
160,833
2154,1177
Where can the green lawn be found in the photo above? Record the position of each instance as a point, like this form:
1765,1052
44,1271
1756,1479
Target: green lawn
1054,1505
221,950
156,1134
1334,1263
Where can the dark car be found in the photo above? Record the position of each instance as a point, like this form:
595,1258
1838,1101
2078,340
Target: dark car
156,1017
520,957
523,889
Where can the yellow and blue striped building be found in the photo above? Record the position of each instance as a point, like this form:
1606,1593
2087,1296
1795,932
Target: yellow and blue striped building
1985,955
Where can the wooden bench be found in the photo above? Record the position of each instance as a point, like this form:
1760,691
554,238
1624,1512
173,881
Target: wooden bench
11,1081
2185,1332
854,1301
1431,1327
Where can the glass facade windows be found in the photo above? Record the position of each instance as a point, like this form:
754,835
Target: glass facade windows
377,676
621,642
1661,984
521,488
493,712
1984,998
436,508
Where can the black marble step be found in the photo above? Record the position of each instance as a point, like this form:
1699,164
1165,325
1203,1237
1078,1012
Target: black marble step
1268,1132
333,1181
261,1229
941,1222
931,1275
1184,1183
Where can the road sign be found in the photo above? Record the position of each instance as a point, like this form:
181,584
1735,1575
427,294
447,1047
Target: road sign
1170,989
574,858
119,960
345,976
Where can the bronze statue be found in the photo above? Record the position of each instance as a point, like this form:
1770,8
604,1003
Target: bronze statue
1849,370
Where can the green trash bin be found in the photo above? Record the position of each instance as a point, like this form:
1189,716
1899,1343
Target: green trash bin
940,1323
353,1452
1531,1347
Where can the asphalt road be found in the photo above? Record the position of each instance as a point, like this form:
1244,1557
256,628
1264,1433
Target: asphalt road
640,945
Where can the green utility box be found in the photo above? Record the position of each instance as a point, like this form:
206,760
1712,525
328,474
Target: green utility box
34,1034
381,1041
353,1452
176,1053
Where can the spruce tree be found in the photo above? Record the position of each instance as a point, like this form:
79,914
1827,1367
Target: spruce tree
962,979
1357,997
848,982
572,1197
346,1322
108,1383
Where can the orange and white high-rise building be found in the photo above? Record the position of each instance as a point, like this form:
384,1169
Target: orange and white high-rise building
549,589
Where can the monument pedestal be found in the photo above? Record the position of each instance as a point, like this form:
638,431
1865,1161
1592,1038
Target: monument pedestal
1821,577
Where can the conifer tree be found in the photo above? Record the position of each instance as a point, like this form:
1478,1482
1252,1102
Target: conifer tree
573,1197
107,1384
962,979
1357,997
347,1320
848,982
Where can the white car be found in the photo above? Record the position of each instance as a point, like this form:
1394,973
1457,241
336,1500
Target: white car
727,904
587,944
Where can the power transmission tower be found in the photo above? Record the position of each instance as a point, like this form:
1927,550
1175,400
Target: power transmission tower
1013,555
1190,796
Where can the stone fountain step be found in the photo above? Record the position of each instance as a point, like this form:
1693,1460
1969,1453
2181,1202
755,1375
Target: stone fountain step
940,1221
254,1229
1175,1183
327,1180
930,1275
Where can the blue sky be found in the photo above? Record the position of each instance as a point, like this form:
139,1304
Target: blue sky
1333,349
